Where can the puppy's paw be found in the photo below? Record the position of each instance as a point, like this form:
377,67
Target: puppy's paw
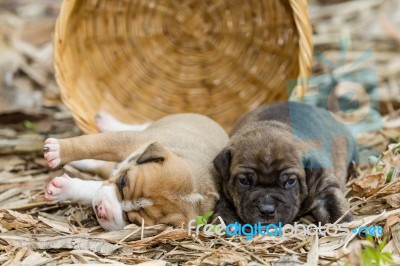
330,206
106,122
52,152
58,189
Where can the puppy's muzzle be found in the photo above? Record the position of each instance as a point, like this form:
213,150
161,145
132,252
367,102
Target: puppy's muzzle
267,211
266,206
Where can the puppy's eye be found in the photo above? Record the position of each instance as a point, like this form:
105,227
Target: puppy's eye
244,180
121,182
291,181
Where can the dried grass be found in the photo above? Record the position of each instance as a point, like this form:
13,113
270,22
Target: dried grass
33,233
63,233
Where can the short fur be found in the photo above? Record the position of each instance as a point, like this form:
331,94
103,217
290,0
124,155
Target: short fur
166,174
268,146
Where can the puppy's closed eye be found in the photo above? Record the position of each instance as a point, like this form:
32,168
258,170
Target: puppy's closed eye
122,182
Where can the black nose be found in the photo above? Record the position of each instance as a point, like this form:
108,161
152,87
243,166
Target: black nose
267,210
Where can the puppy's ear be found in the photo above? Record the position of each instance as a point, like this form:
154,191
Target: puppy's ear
313,169
324,193
154,153
222,163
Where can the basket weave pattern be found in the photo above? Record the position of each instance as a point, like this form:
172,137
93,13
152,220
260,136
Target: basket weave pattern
141,60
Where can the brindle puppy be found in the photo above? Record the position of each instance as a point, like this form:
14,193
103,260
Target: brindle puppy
285,160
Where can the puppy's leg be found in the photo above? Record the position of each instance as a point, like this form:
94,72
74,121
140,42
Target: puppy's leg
176,219
97,167
105,122
65,188
329,205
109,146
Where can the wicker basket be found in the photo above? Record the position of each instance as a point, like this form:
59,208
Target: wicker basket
144,59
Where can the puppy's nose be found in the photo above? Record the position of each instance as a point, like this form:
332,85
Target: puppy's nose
101,211
267,210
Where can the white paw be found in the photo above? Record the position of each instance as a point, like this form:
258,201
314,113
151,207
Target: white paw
86,165
52,152
57,189
106,122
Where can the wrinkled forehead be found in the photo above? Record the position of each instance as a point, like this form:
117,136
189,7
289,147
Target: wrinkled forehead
133,176
265,154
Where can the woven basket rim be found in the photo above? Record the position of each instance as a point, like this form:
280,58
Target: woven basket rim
300,17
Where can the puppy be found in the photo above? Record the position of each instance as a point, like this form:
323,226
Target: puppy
282,161
165,174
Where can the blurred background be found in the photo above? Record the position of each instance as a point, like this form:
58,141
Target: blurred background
28,89
29,95
30,98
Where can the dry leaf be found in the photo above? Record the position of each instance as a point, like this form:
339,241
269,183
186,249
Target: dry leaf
288,260
62,227
393,200
391,221
368,185
14,220
312,257
396,237
220,257
36,259
9,162
153,263
355,254
78,242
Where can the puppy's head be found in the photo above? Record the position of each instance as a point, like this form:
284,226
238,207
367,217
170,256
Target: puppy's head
153,186
263,176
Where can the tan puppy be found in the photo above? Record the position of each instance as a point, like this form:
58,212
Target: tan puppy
165,175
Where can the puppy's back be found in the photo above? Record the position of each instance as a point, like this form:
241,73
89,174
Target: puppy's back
193,125
305,122
300,118
193,136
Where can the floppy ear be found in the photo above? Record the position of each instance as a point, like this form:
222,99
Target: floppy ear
313,169
314,172
222,163
324,193
154,153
